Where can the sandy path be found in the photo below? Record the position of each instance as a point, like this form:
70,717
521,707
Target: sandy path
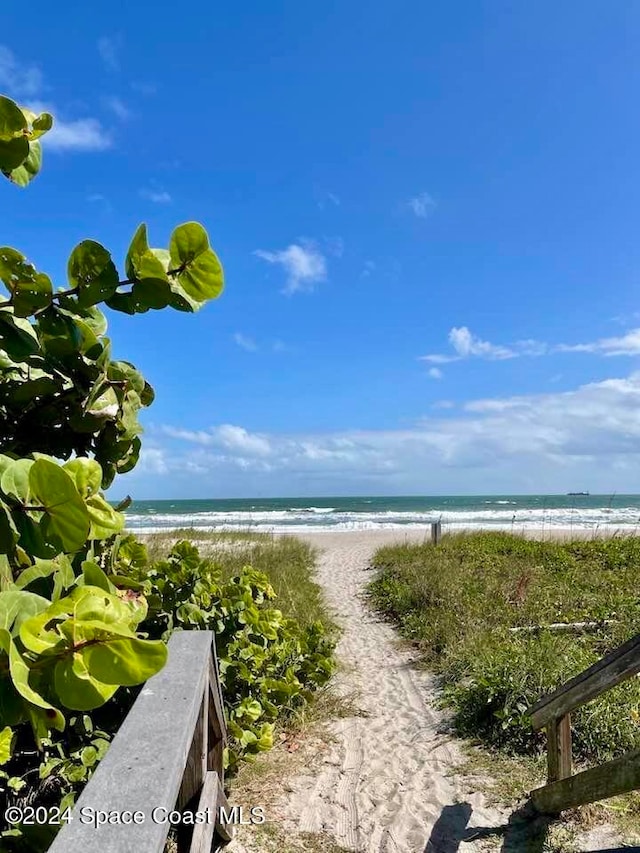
387,777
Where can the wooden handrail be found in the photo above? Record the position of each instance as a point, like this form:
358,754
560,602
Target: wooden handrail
166,756
610,670
596,783
563,790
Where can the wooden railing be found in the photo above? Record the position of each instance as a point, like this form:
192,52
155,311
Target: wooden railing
164,762
553,712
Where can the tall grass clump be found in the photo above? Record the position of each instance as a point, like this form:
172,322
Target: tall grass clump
459,600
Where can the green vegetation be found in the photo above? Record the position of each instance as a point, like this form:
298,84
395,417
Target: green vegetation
287,561
268,663
459,599
84,614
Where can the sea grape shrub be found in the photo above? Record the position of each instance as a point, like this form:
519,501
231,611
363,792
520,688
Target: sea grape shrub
269,665
70,635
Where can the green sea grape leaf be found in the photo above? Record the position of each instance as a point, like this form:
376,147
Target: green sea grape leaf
151,293
9,534
93,604
94,576
24,173
12,119
15,480
34,634
106,405
33,536
137,248
7,740
125,661
123,302
17,606
17,336
32,294
188,242
20,677
13,153
59,334
203,278
41,125
198,269
89,756
41,569
131,554
76,688
92,271
91,315
124,372
53,488
86,474
105,521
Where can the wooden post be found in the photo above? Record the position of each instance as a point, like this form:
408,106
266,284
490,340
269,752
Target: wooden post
436,532
559,761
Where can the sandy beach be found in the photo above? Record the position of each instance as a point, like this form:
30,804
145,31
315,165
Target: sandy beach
389,781
386,783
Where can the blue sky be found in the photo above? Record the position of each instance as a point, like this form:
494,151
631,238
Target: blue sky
428,219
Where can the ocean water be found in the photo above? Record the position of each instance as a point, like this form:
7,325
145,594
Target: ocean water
282,515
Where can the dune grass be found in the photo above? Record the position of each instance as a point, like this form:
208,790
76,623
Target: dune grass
288,563
459,600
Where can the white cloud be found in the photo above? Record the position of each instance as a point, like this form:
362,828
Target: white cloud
117,107
467,345
84,134
435,373
443,404
153,460
156,195
421,205
541,442
245,342
226,437
628,344
26,83
109,49
16,79
303,263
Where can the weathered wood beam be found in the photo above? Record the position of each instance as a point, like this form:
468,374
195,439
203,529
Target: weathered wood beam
225,831
202,838
198,758
561,627
559,759
597,783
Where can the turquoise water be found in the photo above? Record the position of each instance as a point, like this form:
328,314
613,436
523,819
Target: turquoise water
518,512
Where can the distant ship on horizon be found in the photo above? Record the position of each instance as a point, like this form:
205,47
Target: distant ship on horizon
574,494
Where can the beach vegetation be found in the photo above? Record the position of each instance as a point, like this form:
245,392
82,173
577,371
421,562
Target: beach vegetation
482,606
84,614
